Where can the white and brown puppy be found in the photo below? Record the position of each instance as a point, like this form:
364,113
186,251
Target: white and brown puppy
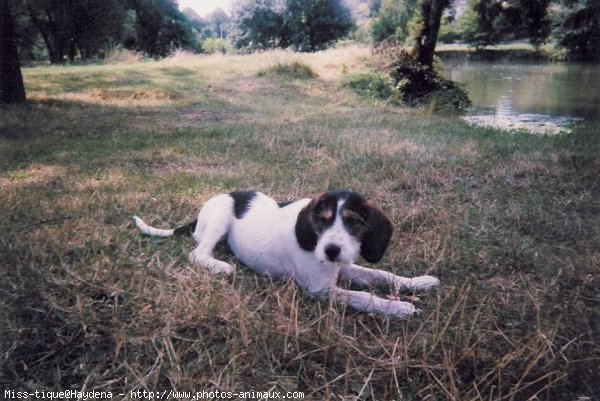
315,241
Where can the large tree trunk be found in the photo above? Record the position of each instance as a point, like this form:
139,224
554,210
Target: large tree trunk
431,14
11,80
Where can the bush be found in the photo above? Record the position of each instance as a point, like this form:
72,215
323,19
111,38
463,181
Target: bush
373,85
121,55
416,84
215,45
295,70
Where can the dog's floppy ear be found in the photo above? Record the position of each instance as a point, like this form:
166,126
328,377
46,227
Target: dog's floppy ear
377,236
305,230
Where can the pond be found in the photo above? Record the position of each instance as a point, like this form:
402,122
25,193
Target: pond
532,97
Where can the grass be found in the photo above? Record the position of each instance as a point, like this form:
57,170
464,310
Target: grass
294,70
509,223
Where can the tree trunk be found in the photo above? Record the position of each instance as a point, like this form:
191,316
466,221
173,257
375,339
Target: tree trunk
11,80
431,14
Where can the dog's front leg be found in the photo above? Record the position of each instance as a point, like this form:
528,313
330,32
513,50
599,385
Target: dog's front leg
365,276
366,302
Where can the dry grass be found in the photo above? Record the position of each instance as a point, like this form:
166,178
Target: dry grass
510,224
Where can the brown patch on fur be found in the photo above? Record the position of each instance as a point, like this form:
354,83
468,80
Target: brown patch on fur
326,214
350,214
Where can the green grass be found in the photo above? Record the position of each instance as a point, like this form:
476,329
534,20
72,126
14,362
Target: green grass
294,70
509,223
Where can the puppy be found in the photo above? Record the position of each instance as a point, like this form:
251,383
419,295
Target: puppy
314,241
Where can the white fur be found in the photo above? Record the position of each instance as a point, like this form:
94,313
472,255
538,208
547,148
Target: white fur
264,239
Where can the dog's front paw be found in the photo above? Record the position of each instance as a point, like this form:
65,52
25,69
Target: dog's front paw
402,310
423,283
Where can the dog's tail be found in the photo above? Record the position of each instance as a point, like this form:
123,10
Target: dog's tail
185,230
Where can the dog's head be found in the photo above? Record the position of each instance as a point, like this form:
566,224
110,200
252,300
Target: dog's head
338,225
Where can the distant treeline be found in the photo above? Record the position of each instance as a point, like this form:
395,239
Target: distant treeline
573,25
62,30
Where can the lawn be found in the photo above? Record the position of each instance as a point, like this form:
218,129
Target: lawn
510,223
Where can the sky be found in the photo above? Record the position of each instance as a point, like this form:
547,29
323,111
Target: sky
204,7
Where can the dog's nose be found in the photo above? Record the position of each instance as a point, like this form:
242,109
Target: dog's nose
332,251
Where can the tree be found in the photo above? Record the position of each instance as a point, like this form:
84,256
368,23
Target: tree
413,75
578,29
159,28
96,26
314,24
479,25
53,21
487,22
88,28
427,31
534,19
12,89
258,25
219,22
392,20
305,25
201,25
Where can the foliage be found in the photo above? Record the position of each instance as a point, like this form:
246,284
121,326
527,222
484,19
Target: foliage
159,28
413,75
88,29
259,24
448,32
294,70
532,15
419,84
487,22
479,25
219,23
416,84
392,20
373,85
577,29
313,25
202,26
68,28
215,45
300,24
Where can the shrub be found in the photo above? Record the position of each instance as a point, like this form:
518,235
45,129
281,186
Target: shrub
416,84
215,45
295,70
373,85
121,55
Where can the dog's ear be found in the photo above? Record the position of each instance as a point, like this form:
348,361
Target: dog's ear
305,229
377,236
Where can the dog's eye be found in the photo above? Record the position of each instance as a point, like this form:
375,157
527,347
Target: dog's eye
354,221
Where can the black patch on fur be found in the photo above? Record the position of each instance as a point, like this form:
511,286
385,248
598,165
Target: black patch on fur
241,202
377,235
355,215
312,219
187,230
305,233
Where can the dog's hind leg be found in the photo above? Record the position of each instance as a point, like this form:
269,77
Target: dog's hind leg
214,221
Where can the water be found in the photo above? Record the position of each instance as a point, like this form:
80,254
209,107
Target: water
532,97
